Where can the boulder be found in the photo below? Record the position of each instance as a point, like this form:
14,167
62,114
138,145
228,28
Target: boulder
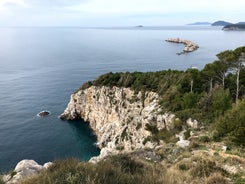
43,113
192,123
24,169
183,143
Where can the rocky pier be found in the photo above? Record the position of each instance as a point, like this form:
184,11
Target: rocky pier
189,45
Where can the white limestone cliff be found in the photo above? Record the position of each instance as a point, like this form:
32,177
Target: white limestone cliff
118,117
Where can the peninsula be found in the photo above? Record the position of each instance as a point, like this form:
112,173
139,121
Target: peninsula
189,45
168,126
234,27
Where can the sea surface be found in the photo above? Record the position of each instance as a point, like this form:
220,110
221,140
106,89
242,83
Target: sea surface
41,67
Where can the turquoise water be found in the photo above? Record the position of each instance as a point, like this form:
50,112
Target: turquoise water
42,67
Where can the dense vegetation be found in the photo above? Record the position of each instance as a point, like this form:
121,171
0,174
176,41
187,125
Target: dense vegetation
205,95
215,96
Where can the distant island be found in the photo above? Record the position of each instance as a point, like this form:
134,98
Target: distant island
221,23
234,27
227,26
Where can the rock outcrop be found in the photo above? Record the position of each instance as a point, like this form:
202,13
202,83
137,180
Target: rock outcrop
24,169
43,113
119,117
189,45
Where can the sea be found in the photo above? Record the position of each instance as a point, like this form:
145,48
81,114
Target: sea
40,67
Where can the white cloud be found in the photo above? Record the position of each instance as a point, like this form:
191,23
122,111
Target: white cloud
83,12
159,6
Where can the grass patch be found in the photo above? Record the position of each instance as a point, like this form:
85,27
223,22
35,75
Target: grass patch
119,169
1,180
216,178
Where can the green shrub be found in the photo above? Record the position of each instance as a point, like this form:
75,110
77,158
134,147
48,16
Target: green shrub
183,167
152,128
204,139
187,134
127,164
239,180
164,134
178,124
189,100
204,167
232,124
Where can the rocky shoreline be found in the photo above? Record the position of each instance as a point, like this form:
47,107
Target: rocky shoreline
189,45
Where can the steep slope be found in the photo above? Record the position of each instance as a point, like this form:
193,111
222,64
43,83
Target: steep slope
119,117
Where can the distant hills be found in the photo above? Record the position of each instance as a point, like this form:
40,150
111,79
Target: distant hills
240,26
221,23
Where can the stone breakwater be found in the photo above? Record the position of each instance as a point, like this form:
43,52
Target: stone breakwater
119,117
189,45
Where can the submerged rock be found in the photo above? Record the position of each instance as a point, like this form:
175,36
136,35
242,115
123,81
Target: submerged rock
43,113
24,169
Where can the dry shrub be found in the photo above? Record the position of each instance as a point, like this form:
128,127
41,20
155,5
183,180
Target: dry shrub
174,176
216,178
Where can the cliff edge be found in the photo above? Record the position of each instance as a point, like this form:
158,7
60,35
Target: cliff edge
119,117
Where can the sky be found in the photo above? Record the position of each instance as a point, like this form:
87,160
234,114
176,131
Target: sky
97,13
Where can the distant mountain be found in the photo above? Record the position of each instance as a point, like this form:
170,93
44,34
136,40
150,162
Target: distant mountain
241,23
221,23
199,24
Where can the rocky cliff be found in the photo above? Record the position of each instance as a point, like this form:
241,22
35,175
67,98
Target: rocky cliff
119,117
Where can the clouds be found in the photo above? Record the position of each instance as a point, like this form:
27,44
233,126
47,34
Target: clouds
156,6
12,2
55,3
118,12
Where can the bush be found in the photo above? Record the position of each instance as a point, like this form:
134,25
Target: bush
167,136
216,178
152,128
183,167
187,134
127,164
204,167
120,169
204,139
232,124
178,124
189,100
1,180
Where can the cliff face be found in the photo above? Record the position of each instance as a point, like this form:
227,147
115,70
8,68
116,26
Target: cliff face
118,117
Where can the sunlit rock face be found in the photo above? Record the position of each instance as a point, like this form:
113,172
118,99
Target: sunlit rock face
118,117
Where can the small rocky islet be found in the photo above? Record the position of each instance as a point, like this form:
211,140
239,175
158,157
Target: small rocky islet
189,45
43,113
